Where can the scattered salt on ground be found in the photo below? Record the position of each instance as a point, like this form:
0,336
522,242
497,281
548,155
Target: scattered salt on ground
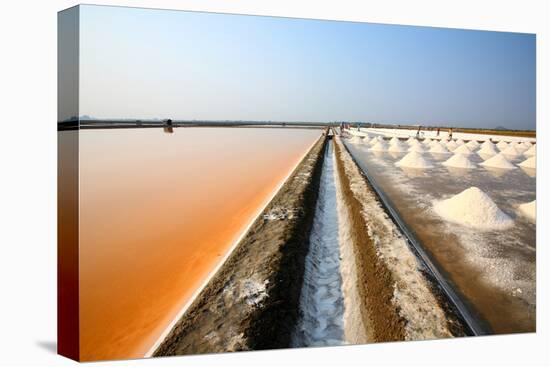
472,144
498,161
451,145
529,210
463,149
438,148
511,151
502,145
531,151
397,147
379,147
473,208
529,162
460,161
413,160
488,150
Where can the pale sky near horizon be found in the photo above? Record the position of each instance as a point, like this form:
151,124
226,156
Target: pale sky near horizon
142,63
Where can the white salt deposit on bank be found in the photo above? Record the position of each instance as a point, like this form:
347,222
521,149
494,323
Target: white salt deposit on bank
438,148
413,160
463,149
529,210
529,162
511,151
498,161
459,161
531,151
473,208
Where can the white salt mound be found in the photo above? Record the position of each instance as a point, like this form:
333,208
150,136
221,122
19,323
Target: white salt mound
498,161
460,161
527,144
531,151
472,144
487,143
502,145
529,162
511,151
379,147
413,160
417,148
438,148
355,140
473,208
394,140
529,210
460,142
397,147
488,150
463,149
451,145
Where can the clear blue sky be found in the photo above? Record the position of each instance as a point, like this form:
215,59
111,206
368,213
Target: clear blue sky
158,64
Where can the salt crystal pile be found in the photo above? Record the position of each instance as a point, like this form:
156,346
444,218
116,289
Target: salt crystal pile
438,148
472,144
529,210
397,148
487,150
511,151
529,162
502,145
487,143
379,147
417,148
394,140
451,145
498,161
413,160
366,140
473,208
531,151
463,149
460,142
460,161
355,140
527,144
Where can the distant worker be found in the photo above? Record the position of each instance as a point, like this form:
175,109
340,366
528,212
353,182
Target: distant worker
437,131
418,132
450,133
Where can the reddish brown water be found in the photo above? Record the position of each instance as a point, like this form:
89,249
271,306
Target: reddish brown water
157,213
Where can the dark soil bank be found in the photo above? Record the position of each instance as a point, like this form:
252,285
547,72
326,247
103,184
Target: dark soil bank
253,301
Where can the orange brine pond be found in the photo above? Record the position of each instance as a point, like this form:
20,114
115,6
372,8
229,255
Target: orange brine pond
158,212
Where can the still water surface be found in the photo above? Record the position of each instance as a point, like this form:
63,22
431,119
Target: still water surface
158,211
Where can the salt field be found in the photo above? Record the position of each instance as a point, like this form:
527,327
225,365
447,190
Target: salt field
159,211
474,213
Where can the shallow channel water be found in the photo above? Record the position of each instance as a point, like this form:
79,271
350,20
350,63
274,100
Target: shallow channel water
321,301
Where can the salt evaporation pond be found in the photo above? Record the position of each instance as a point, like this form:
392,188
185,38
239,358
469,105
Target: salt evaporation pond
493,268
158,212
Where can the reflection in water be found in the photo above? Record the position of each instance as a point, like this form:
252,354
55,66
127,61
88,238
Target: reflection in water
168,129
156,215
496,172
457,171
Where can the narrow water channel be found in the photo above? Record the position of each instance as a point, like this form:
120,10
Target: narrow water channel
321,303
